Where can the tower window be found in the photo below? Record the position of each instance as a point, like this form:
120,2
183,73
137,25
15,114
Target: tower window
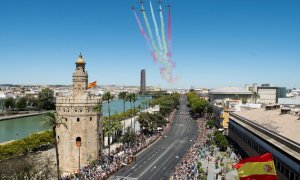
91,118
78,141
75,110
66,119
78,119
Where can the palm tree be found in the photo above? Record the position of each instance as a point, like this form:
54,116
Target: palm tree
122,95
108,97
134,99
255,96
53,121
131,98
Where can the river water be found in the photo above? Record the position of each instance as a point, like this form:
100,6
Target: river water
19,128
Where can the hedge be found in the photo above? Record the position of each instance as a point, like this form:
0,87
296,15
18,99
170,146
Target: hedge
26,145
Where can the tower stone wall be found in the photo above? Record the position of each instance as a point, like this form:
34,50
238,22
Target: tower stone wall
79,141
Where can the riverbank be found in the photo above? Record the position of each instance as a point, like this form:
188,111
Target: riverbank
9,117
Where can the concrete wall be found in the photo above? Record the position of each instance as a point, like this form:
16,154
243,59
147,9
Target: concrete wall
267,96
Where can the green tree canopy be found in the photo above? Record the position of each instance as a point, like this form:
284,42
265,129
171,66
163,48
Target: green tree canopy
46,99
10,103
22,103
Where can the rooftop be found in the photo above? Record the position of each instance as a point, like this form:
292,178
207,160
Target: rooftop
284,124
230,90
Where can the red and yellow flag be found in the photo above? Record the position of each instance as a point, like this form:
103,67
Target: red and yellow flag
258,167
93,84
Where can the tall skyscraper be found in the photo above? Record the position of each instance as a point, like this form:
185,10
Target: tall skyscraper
143,81
79,141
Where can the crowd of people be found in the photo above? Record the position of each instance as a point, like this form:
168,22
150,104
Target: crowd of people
188,167
120,157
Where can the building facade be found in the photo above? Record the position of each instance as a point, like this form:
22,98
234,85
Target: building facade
270,95
260,131
143,82
229,93
78,142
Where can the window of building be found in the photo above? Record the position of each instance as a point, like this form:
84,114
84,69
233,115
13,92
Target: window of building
91,118
78,119
75,110
66,119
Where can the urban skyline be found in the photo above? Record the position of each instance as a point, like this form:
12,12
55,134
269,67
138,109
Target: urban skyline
210,40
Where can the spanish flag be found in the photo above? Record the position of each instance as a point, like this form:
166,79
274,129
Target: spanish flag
93,84
258,167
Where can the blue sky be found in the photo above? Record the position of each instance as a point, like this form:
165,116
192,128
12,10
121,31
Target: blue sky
215,42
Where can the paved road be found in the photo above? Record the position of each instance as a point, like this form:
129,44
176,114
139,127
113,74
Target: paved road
158,160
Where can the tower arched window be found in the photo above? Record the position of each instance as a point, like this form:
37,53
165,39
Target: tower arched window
78,141
91,118
66,119
78,119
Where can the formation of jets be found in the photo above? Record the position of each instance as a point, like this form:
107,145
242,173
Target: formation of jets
143,10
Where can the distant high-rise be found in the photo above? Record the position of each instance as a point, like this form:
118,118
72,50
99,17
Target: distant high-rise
143,81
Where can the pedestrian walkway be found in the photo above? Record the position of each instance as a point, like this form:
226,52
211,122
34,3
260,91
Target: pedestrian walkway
205,161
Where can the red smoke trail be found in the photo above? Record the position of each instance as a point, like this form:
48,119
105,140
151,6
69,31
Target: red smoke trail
145,36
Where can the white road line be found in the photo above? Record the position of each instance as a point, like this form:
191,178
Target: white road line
170,147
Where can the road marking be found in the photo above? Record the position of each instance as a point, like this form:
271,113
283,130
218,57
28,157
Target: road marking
170,147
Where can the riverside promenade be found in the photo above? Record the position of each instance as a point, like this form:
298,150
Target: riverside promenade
27,114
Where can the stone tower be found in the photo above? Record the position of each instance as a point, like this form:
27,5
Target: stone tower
79,142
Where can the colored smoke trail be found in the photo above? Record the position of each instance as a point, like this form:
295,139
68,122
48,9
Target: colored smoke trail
169,32
150,34
142,30
163,34
145,36
160,48
156,27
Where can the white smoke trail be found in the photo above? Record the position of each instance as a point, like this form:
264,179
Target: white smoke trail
156,28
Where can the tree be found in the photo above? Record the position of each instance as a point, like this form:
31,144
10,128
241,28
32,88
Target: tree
210,111
22,103
53,121
108,97
134,99
130,98
10,103
122,95
129,136
150,122
111,126
255,96
25,167
46,99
